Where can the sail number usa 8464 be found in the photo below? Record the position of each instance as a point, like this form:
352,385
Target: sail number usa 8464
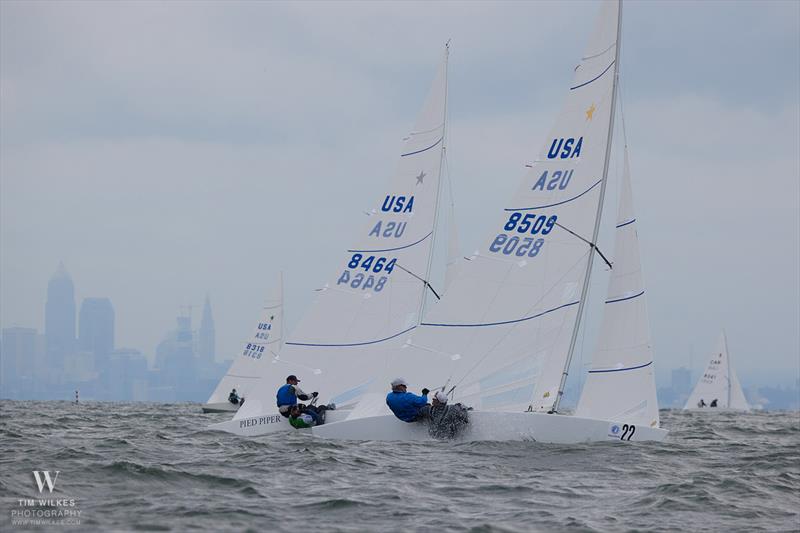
371,265
515,242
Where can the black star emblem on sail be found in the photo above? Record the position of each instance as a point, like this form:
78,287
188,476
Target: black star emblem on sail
421,177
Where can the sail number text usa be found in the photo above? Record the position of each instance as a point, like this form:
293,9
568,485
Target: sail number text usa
362,281
253,350
520,245
369,263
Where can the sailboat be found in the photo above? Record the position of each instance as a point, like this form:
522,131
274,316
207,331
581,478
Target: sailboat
719,386
247,368
502,338
377,295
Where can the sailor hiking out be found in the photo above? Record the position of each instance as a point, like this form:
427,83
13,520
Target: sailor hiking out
234,398
406,406
288,395
301,417
446,421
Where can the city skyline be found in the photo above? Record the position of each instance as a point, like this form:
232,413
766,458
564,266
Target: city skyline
80,355
183,366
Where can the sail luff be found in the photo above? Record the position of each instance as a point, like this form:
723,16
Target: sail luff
598,217
438,188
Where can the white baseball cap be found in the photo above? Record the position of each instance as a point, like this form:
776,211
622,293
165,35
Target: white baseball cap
396,382
440,396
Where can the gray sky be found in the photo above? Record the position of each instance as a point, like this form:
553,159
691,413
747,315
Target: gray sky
166,150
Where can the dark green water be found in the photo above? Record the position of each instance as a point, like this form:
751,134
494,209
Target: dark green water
154,467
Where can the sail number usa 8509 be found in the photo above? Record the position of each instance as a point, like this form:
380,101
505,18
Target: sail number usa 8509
515,242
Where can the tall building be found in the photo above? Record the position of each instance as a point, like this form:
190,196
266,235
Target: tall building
18,358
681,380
206,340
59,319
96,330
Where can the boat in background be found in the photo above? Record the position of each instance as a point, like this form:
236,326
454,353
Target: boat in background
719,386
252,363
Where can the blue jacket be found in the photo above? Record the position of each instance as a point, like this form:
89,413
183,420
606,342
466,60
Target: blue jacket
286,395
406,406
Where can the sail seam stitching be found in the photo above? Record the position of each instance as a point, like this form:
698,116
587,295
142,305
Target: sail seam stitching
353,343
424,149
593,79
503,322
558,203
623,299
393,249
619,369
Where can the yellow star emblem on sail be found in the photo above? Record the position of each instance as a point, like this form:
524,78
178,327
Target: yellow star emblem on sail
590,112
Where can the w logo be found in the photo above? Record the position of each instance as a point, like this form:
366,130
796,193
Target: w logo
51,483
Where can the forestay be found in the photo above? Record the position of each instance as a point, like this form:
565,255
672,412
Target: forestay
253,361
621,382
718,382
502,332
375,297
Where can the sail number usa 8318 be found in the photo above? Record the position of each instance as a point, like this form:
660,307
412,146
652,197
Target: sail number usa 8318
515,242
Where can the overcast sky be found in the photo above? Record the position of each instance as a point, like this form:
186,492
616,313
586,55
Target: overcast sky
168,150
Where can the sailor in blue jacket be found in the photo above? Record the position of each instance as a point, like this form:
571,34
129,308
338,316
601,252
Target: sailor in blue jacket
406,406
288,394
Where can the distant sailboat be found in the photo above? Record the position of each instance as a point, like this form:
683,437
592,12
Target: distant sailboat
249,366
718,387
502,338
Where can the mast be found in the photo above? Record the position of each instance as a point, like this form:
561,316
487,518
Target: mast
595,233
426,279
283,313
728,363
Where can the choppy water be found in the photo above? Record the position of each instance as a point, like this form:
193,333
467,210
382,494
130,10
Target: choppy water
154,467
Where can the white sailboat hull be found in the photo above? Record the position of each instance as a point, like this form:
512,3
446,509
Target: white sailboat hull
220,407
495,426
254,426
483,426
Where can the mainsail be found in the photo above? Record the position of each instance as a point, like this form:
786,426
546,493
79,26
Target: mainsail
719,382
501,337
377,295
621,382
249,365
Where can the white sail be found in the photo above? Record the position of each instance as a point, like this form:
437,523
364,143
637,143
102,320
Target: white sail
621,382
254,359
502,333
454,258
376,296
718,382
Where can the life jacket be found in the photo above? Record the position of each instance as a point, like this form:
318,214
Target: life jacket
286,395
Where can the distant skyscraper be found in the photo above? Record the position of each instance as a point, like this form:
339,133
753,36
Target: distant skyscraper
206,340
681,380
59,318
96,330
17,361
